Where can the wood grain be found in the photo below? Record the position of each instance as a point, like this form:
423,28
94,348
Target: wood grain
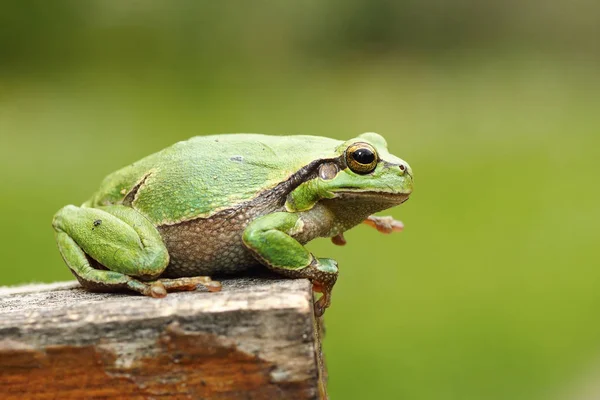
256,339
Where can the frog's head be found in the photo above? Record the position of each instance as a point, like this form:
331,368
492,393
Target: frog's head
363,171
366,169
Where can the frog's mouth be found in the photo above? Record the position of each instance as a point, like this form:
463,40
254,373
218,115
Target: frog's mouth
369,195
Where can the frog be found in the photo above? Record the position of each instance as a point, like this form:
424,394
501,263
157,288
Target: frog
222,205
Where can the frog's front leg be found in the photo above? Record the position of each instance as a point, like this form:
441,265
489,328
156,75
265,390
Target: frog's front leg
125,243
270,239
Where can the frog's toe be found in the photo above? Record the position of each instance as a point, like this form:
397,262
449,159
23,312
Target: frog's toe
150,289
322,304
339,239
214,286
157,290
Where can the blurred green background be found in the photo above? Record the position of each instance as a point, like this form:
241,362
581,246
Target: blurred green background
492,290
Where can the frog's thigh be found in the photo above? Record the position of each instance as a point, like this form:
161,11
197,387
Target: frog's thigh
118,237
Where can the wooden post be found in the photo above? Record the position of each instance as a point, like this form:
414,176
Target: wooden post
256,339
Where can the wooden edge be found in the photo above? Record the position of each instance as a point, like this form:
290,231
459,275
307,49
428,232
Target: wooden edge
257,338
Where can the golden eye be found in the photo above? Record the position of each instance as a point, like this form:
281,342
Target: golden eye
361,158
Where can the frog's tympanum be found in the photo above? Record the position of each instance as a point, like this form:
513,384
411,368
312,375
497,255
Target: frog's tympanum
217,205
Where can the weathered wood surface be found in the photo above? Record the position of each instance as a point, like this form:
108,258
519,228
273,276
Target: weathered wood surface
256,339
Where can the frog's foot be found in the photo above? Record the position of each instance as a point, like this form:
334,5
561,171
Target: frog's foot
323,274
385,224
156,289
188,284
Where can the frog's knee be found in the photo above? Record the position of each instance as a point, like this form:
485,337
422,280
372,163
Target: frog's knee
63,215
72,219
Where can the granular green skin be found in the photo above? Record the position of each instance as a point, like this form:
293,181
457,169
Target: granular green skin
225,203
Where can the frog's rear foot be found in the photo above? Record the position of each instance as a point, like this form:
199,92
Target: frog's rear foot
188,284
158,288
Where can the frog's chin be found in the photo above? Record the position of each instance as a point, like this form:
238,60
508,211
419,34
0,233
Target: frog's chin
386,197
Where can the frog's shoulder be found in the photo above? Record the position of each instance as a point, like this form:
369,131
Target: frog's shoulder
206,174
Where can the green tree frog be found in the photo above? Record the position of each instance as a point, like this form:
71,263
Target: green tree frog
222,204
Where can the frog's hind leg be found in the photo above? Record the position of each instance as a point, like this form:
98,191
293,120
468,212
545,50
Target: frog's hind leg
116,237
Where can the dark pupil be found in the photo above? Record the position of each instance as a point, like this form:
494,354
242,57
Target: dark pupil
364,156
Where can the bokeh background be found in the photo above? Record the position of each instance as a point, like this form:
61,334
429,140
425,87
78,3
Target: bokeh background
492,292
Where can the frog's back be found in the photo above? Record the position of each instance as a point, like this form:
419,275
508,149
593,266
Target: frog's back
205,174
